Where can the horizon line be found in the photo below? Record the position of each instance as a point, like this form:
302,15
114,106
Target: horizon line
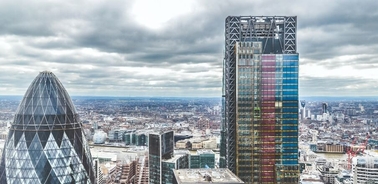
132,96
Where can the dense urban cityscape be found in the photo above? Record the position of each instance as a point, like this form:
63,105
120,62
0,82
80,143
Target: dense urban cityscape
117,131
190,91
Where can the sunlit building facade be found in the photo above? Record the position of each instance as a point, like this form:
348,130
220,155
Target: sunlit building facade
260,124
46,143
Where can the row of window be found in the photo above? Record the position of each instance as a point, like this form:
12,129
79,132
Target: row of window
277,114
248,119
250,70
247,93
249,106
268,109
270,97
277,88
264,81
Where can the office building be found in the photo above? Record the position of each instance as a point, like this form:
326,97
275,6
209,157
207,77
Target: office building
202,158
178,161
260,95
46,143
98,173
365,169
160,148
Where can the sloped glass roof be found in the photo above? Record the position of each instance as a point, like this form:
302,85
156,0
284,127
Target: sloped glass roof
46,103
46,143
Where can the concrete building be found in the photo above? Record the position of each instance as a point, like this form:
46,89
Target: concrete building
182,144
98,172
365,169
329,173
189,176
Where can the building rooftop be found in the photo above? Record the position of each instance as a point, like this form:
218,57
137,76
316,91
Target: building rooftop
181,151
186,176
205,151
173,159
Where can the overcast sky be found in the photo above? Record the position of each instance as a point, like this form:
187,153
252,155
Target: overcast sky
175,47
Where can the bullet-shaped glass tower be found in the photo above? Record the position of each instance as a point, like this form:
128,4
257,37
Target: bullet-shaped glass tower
45,142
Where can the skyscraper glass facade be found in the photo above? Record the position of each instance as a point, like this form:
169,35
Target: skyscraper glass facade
160,148
45,142
260,129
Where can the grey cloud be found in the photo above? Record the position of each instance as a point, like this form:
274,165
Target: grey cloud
337,86
55,34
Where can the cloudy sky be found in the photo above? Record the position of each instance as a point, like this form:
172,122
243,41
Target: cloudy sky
175,48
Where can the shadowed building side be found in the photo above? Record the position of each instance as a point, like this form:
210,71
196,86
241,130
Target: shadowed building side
45,143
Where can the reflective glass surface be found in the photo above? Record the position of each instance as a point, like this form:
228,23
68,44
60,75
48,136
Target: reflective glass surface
45,143
267,112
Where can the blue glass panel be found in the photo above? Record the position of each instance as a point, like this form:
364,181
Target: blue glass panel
291,156
289,81
290,57
290,75
289,139
289,133
290,92
292,69
289,150
289,110
290,87
288,122
289,116
288,147
289,98
289,128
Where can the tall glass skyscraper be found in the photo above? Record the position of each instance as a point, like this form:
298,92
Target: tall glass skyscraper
45,142
260,124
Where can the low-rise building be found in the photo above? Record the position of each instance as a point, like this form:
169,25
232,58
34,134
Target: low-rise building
188,176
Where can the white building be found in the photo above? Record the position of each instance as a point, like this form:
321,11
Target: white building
365,169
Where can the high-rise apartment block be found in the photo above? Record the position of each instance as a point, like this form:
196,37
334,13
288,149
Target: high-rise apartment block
46,143
260,124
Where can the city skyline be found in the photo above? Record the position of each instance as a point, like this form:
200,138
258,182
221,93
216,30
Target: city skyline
144,48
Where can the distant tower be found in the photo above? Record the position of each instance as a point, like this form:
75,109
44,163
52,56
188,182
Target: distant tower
46,143
324,107
303,103
303,109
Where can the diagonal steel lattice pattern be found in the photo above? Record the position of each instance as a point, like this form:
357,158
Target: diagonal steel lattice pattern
45,143
232,35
